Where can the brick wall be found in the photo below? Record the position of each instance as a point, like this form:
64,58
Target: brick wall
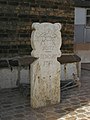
17,16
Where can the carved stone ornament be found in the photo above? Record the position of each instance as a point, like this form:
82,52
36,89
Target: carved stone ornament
45,71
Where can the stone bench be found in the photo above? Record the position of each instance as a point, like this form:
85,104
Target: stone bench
70,64
10,66
15,70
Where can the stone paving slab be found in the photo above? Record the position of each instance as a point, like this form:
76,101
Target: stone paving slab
75,104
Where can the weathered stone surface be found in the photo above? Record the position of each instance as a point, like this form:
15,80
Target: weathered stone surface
8,77
45,72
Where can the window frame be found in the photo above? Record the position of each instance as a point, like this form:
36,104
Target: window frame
87,16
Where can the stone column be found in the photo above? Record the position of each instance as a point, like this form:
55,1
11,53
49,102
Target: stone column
45,71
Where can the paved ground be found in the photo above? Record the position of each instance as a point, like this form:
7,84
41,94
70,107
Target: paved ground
75,104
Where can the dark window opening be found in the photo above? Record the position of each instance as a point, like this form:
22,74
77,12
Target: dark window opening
88,17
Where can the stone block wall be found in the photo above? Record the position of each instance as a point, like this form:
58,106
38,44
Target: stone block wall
17,16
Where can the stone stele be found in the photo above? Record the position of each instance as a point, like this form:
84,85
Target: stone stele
45,71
